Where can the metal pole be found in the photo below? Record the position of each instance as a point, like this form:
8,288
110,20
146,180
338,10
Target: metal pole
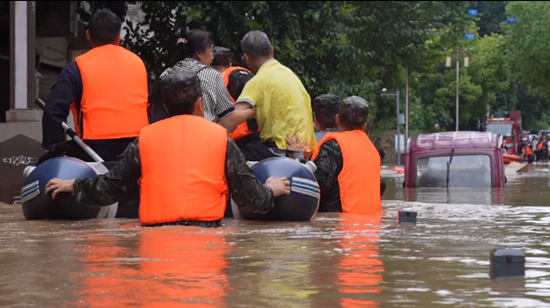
398,132
457,82
407,106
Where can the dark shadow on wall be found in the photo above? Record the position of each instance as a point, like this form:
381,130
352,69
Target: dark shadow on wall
4,59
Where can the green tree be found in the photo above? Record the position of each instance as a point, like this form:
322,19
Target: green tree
526,43
480,83
488,70
359,47
347,48
526,50
492,14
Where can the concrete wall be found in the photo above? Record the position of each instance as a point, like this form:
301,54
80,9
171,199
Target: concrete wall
29,129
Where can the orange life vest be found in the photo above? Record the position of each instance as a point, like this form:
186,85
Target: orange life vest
359,179
114,95
227,72
243,129
182,170
539,146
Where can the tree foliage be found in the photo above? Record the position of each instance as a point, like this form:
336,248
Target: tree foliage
360,47
528,43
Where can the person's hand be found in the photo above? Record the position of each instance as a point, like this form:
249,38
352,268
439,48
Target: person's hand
294,144
280,186
58,186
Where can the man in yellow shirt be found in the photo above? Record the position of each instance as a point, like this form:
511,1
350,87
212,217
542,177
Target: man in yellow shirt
282,104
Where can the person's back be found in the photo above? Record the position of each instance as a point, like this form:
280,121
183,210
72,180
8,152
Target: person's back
106,90
175,174
195,54
114,97
286,106
282,104
359,183
360,176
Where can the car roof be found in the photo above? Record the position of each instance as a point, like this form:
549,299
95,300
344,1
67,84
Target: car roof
458,140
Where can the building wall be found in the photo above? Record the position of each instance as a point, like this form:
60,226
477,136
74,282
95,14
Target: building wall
4,59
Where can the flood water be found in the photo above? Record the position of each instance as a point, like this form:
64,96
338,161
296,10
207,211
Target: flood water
335,261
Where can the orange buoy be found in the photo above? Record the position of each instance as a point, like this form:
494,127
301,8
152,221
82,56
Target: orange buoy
399,170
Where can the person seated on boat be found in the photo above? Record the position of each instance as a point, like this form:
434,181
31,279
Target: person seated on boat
106,90
180,184
281,104
247,134
222,63
325,115
348,164
325,109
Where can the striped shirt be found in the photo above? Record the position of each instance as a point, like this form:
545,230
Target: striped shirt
217,102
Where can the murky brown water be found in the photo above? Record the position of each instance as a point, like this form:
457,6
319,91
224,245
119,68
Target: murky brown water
336,261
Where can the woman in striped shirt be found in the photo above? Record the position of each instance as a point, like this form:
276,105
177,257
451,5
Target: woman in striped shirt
195,53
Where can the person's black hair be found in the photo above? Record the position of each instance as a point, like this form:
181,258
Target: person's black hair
354,112
256,44
237,81
192,41
104,27
222,56
325,109
180,91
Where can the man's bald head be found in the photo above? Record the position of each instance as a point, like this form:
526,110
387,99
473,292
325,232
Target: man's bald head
257,45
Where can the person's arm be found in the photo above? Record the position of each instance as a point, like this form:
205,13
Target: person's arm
235,118
68,89
329,164
251,96
104,189
245,106
246,190
222,106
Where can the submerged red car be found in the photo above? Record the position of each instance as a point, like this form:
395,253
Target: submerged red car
454,159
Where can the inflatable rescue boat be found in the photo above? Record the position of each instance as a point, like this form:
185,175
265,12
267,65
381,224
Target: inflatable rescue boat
301,205
37,205
303,202
508,158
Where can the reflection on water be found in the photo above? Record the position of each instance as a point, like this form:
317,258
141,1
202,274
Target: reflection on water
168,266
360,270
336,261
527,188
